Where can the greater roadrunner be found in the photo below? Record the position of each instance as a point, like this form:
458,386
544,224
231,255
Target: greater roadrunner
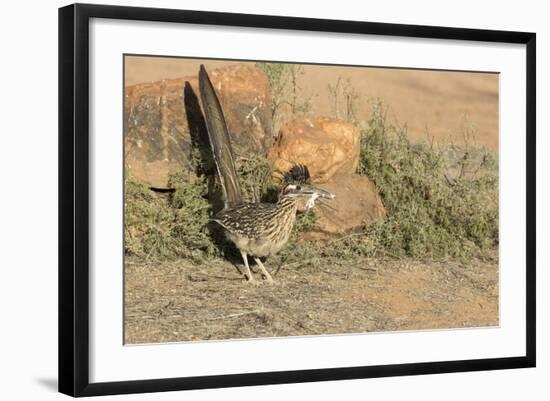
256,229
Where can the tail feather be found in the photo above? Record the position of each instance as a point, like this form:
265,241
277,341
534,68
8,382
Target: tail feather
219,141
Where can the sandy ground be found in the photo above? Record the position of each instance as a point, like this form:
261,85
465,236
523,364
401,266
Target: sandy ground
439,103
181,301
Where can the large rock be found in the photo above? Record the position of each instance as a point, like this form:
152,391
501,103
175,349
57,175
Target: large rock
164,122
326,146
357,203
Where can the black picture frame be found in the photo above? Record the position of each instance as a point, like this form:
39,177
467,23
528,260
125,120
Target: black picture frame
74,198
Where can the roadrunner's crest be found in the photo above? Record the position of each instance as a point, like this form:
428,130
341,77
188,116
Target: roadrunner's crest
298,174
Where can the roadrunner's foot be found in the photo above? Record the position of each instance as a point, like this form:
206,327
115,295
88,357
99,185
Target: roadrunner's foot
247,272
265,273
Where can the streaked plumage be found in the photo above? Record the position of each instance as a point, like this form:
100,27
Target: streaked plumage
259,229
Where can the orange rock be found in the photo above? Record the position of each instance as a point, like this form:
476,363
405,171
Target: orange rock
357,203
160,121
325,145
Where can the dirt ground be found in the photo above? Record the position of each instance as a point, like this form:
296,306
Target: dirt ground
440,104
181,301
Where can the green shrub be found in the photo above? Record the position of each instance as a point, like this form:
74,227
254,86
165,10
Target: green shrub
162,225
440,201
255,179
286,102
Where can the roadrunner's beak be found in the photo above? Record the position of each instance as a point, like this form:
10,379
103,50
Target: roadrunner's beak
306,190
314,192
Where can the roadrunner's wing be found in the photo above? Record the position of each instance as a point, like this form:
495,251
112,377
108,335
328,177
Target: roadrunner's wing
220,141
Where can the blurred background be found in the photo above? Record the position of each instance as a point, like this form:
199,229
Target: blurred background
442,105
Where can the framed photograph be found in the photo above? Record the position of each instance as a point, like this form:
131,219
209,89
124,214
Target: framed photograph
250,199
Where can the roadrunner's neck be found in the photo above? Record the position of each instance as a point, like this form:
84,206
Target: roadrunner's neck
287,201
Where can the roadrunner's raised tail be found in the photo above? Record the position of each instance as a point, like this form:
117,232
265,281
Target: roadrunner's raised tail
220,141
256,229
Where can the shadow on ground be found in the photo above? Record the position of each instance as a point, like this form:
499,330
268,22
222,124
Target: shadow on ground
50,383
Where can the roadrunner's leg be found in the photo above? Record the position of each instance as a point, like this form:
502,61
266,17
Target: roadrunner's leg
247,272
263,269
